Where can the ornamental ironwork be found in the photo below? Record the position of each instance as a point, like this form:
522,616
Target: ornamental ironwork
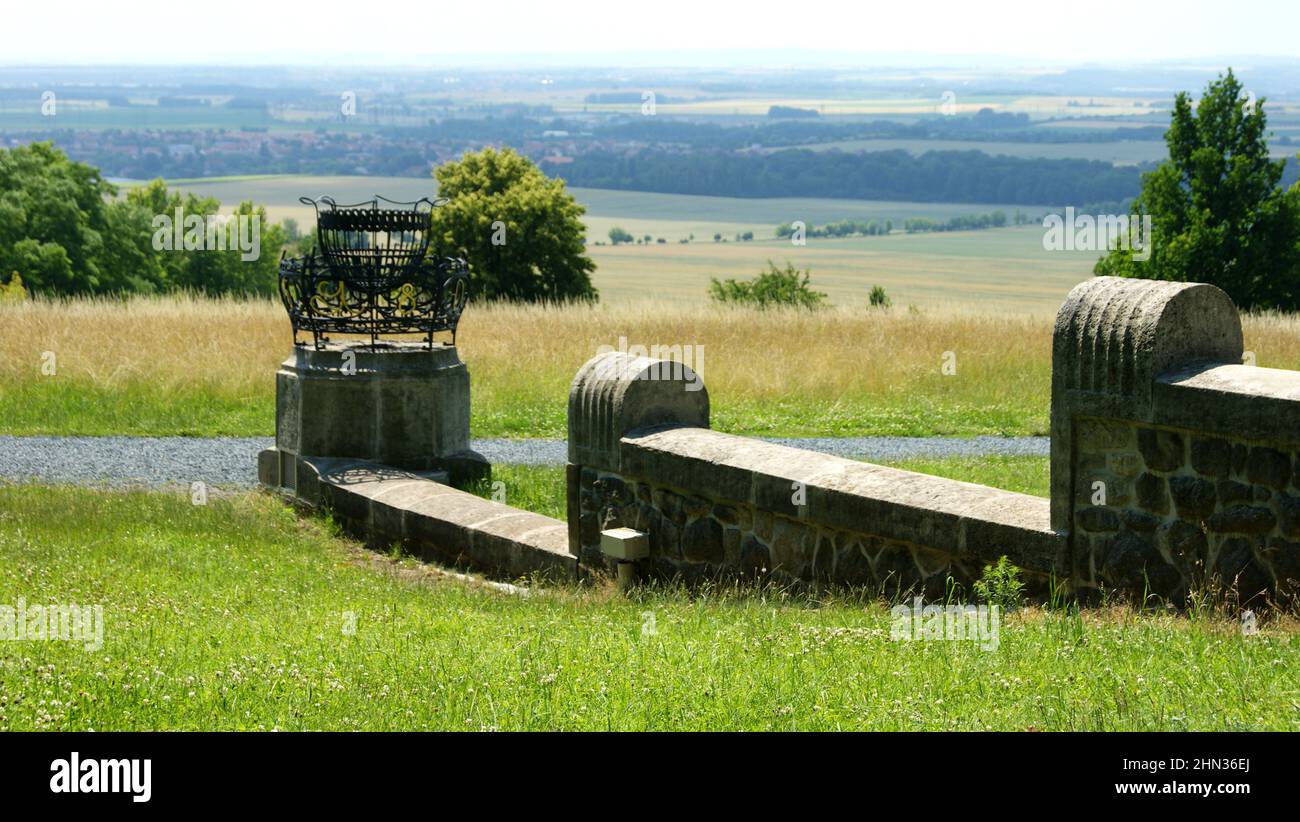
372,274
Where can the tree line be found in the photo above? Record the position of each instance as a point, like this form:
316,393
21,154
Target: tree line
912,225
1220,209
65,230
933,177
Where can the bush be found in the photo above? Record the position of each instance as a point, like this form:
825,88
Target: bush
774,287
878,298
13,291
1001,585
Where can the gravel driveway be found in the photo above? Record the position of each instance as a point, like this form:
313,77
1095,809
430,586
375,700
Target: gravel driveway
233,460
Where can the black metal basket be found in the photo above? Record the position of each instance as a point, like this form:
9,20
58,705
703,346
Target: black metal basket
372,275
363,241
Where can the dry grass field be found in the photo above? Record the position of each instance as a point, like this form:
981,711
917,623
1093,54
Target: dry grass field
1001,270
196,366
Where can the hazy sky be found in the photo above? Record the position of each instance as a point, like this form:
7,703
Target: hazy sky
660,32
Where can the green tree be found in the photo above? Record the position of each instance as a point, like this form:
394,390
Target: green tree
1218,214
618,236
53,221
63,233
520,231
209,270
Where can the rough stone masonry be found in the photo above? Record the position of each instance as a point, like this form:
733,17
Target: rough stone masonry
1172,464
641,455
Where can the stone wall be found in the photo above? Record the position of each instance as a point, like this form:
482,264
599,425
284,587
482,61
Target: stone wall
1182,505
717,506
387,506
1172,463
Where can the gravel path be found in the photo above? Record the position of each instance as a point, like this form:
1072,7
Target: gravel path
233,460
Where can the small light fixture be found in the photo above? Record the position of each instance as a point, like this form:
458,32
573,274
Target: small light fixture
626,545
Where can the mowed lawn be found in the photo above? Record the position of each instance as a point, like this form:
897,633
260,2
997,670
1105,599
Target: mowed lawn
241,615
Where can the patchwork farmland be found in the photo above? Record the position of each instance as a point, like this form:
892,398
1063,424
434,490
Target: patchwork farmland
995,269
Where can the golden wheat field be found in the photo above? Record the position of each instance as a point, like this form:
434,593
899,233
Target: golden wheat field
122,366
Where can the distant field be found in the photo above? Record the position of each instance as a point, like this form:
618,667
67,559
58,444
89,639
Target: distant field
750,106
88,109
1088,119
1128,152
998,269
280,194
78,114
994,270
907,106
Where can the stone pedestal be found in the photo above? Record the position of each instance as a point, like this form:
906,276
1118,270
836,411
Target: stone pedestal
399,404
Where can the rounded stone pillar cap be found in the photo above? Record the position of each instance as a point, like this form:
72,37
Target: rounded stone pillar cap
614,393
1116,335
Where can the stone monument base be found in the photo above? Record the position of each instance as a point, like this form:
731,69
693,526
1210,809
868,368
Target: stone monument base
395,403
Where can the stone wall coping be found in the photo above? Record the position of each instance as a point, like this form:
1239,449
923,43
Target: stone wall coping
1230,400
446,524
961,518
1239,380
1113,340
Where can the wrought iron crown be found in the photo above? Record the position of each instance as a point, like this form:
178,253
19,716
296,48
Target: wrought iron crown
372,274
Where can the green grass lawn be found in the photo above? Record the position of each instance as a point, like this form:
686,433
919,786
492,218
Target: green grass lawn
80,407
536,488
1024,475
76,407
241,615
